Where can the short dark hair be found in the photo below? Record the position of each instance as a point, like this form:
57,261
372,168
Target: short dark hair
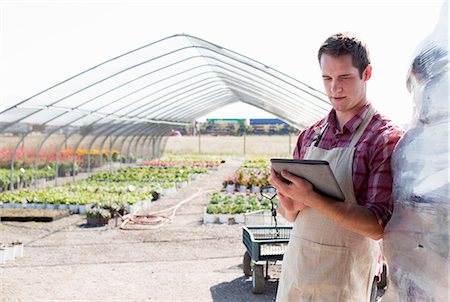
341,44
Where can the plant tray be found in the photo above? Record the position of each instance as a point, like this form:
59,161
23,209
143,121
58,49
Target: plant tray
24,215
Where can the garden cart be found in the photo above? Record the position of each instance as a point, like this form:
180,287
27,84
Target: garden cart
264,243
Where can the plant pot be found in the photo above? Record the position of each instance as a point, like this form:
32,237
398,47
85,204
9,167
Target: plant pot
9,252
208,218
39,206
133,208
2,256
223,218
62,206
82,209
239,218
18,250
168,191
230,188
97,220
256,189
242,189
51,206
74,208
182,184
147,204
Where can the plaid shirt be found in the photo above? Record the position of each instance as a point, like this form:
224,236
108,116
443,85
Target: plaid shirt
372,175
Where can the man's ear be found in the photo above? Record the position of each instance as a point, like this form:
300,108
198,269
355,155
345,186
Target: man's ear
367,73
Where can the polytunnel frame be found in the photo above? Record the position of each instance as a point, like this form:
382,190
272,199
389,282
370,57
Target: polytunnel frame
168,111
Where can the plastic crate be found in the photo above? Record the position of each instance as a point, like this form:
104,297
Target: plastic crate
263,217
266,242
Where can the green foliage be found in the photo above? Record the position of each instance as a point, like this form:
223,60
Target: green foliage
222,203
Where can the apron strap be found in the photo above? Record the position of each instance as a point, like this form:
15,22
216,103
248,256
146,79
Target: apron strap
362,127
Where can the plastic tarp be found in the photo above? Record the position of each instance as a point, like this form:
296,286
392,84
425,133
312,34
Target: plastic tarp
172,82
416,242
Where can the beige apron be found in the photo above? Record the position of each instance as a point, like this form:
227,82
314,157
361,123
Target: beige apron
323,261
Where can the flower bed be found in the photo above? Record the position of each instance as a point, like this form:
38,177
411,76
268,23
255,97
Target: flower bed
128,186
227,208
250,177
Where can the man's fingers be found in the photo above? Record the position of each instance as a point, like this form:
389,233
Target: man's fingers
289,176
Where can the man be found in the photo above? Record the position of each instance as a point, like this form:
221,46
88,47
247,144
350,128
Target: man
333,249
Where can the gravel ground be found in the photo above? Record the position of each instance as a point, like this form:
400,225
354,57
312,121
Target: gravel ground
183,260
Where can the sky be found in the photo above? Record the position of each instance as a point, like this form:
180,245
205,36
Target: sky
45,42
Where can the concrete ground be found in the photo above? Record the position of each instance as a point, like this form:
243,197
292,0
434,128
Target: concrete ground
184,260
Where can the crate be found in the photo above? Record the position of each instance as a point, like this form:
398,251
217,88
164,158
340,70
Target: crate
263,217
266,243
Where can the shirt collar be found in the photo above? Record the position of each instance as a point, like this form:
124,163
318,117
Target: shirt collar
353,123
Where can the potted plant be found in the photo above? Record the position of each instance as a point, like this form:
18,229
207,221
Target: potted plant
97,216
229,185
241,181
18,248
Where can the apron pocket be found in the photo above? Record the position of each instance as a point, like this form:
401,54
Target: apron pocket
322,271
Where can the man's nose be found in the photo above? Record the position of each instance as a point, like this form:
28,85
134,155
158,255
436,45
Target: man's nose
336,86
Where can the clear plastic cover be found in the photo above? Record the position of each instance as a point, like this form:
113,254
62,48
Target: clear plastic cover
416,242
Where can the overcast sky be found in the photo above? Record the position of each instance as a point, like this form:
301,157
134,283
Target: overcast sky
45,42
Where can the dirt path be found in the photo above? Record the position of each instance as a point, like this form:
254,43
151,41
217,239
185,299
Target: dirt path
181,261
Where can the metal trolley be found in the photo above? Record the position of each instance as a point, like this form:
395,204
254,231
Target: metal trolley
264,243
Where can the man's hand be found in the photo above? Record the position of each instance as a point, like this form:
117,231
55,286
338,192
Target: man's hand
297,193
286,200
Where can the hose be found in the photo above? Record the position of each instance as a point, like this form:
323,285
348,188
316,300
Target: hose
156,219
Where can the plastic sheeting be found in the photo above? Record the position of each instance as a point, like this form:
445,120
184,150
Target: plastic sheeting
172,81
416,243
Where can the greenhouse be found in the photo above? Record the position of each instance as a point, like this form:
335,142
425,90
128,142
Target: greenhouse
113,189
125,106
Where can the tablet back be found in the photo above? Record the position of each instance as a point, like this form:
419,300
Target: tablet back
317,172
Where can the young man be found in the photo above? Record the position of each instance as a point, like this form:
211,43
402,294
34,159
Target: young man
333,249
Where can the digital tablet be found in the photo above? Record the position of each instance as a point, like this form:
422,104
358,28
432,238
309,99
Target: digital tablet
317,172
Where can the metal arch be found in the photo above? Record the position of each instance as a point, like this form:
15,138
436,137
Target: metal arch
263,66
229,57
136,145
82,89
227,81
13,155
138,126
143,146
100,133
92,68
235,63
183,80
88,154
126,137
59,151
160,139
215,73
240,75
207,92
141,134
163,141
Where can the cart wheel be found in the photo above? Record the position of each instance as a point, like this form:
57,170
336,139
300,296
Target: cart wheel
258,281
247,264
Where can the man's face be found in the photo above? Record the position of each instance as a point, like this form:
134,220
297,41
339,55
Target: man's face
344,87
